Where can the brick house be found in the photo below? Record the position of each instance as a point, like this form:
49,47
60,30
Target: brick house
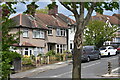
41,33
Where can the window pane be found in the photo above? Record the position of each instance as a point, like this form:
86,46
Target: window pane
60,48
26,48
25,33
26,52
70,45
50,31
41,34
58,32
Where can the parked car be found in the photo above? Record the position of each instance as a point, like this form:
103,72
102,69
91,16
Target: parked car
90,53
108,51
118,50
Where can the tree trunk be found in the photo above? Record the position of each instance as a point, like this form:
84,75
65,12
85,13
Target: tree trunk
78,40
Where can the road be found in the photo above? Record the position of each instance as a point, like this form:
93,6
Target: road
92,69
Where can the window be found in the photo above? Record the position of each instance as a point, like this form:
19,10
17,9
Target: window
41,50
42,35
61,48
38,34
26,51
60,32
57,48
25,33
50,31
70,45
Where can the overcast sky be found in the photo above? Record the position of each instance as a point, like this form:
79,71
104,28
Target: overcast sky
20,8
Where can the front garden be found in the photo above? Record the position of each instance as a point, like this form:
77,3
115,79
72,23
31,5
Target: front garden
29,62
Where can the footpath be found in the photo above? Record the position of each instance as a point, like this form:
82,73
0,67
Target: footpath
40,69
114,73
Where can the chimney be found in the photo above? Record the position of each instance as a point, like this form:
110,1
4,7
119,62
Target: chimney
53,11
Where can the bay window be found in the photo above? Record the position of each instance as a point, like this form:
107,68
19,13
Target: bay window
38,34
25,33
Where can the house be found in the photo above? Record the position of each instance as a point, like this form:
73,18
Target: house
41,33
111,20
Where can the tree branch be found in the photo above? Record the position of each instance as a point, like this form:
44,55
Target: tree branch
66,6
81,11
90,10
73,10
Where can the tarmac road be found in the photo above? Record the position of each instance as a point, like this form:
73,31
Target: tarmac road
92,69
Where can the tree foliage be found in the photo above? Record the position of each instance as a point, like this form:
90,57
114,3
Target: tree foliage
7,56
44,11
97,32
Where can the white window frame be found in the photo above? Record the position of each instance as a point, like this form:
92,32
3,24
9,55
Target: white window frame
57,32
41,50
42,34
25,33
60,32
38,34
26,50
61,46
50,31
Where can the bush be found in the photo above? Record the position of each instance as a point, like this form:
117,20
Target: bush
69,55
32,57
59,57
26,61
50,53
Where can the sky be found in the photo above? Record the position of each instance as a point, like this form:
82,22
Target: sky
20,8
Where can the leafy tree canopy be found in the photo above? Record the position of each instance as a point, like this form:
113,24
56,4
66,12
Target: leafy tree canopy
44,11
97,32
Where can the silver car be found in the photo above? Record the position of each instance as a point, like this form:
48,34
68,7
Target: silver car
90,53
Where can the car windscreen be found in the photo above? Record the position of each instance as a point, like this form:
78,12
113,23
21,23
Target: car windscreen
88,48
103,48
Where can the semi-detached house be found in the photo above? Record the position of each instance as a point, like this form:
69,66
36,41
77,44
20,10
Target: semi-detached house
41,33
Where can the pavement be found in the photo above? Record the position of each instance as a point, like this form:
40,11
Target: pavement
40,69
114,73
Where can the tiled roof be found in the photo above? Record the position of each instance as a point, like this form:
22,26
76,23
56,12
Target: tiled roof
113,19
117,15
43,20
24,44
66,19
24,20
50,20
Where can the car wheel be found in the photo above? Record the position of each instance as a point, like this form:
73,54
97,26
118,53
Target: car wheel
109,54
116,53
88,59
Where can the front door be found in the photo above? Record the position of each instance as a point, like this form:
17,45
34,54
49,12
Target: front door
51,47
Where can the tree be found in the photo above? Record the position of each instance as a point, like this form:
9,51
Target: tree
97,32
44,11
78,10
7,56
